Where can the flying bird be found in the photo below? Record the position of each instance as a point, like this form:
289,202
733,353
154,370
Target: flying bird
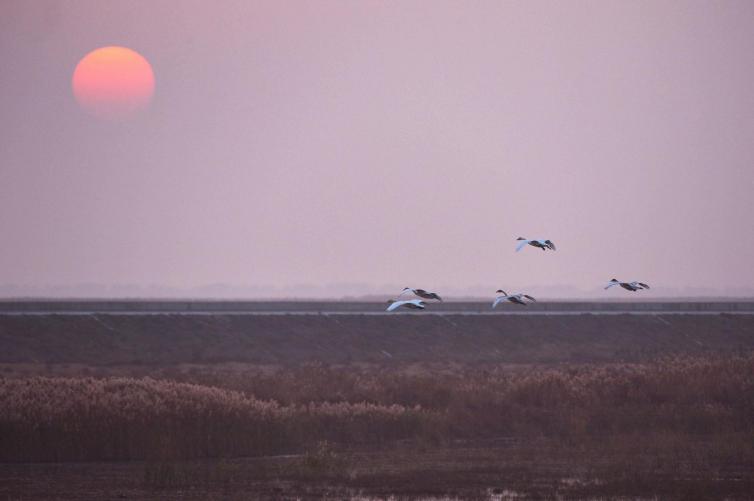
413,304
542,244
421,293
513,298
629,286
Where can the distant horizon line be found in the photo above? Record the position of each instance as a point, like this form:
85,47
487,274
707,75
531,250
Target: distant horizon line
359,299
348,291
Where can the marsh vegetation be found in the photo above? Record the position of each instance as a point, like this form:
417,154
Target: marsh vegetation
658,421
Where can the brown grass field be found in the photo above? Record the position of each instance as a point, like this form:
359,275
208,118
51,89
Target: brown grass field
317,407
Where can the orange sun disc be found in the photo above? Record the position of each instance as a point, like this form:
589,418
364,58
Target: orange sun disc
113,82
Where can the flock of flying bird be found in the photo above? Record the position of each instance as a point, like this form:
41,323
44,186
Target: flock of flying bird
517,298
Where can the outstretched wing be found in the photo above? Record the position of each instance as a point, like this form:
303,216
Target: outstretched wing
611,284
529,297
395,305
643,285
405,291
521,245
549,244
498,300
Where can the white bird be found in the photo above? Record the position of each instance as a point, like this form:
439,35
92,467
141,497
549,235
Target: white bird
629,286
513,298
413,304
542,244
421,293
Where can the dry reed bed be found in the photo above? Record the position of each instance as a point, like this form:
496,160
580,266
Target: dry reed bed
709,398
688,394
124,418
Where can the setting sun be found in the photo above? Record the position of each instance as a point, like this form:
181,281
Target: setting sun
113,82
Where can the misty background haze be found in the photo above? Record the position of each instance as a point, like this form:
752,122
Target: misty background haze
328,149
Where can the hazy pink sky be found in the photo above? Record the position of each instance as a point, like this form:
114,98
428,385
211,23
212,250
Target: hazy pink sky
402,143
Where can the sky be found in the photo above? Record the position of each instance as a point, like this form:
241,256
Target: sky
338,148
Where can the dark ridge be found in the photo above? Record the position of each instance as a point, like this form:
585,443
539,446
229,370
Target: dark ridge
112,339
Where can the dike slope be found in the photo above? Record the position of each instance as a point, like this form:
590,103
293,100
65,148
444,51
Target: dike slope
168,339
